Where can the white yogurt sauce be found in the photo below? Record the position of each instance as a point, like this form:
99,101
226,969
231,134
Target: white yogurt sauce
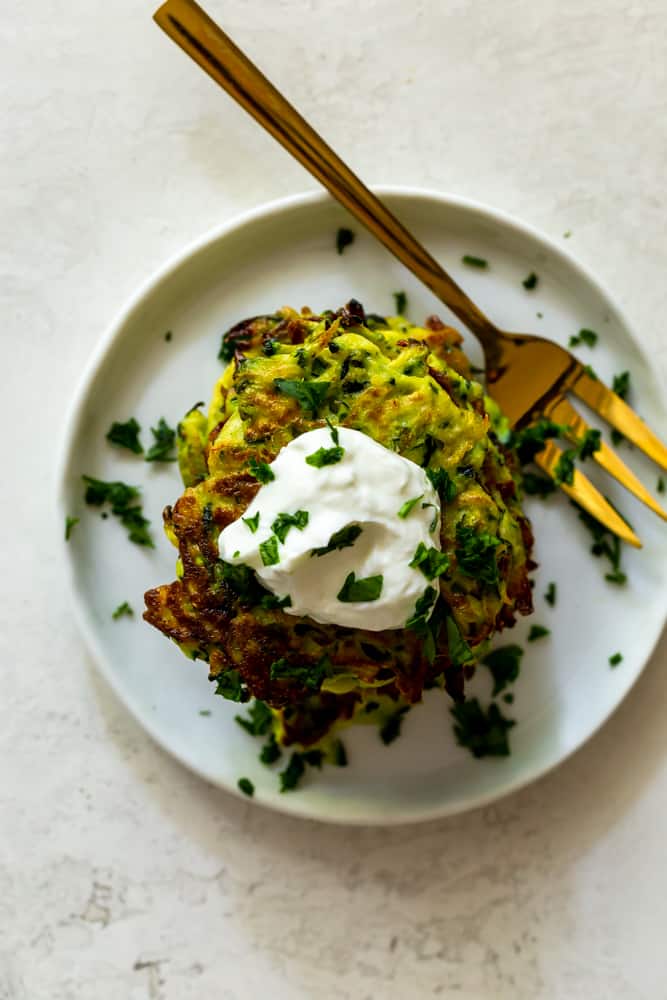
365,489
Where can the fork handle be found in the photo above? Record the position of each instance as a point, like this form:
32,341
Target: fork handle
197,34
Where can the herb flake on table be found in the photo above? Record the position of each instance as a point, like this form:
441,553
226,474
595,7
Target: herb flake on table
530,282
471,261
505,665
342,539
585,336
246,786
538,632
164,440
344,238
123,609
121,498
126,435
615,659
325,456
262,471
400,303
484,733
70,524
355,591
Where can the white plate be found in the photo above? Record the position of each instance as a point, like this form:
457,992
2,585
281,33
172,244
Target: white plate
284,253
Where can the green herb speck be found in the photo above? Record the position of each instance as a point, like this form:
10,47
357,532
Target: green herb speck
126,435
538,632
70,524
472,261
344,238
121,610
246,786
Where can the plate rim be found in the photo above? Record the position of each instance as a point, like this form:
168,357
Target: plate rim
298,806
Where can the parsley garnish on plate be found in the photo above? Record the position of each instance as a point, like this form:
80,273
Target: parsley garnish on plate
550,595
472,261
252,523
430,561
442,483
246,786
504,664
615,659
564,468
259,718
660,487
530,282
605,543
70,524
344,238
483,733
587,337
268,551
123,609
341,539
262,471
355,591
391,729
230,686
164,440
621,386
538,632
296,768
400,302
126,435
309,395
325,456
121,497
408,505
536,485
270,752
284,522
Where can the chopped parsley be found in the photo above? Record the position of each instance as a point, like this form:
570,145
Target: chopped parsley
530,440
333,429
269,601
310,675
460,652
530,282
605,543
341,539
589,370
621,386
259,719
126,435
270,752
163,444
442,483
284,522
615,659
408,505
504,664
567,234
564,468
70,524
400,302
339,754
293,773
587,337
538,632
262,471
252,522
309,395
476,554
325,456
367,589
550,595
168,335
418,621
434,521
475,261
391,729
589,444
660,488
483,733
120,496
230,686
204,712
123,609
537,485
268,551
344,238
430,561
246,786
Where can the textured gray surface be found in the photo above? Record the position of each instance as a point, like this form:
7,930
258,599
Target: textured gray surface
122,876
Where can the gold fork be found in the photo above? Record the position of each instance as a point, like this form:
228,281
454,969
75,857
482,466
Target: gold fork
528,376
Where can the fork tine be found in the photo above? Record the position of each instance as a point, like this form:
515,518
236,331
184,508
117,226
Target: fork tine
587,496
564,413
616,412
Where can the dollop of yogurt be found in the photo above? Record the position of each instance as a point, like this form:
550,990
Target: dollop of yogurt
336,529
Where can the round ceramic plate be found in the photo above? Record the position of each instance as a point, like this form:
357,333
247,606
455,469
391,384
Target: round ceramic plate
285,253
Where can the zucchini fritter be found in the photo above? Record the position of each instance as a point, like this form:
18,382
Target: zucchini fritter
409,388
